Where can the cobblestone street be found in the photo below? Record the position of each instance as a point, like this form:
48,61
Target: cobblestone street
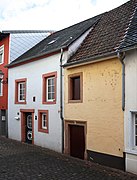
20,161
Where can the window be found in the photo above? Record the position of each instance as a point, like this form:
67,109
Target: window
43,121
132,130
135,130
1,54
49,88
1,87
20,91
75,87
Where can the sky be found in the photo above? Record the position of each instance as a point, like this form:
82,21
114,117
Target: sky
50,14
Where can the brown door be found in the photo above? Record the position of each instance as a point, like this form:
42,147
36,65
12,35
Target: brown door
77,141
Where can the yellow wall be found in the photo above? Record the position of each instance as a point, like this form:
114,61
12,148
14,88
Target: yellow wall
101,107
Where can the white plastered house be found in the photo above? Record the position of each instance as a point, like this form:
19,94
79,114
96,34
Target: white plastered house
35,98
129,50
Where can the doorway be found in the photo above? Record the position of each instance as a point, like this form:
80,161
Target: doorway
27,126
77,141
3,122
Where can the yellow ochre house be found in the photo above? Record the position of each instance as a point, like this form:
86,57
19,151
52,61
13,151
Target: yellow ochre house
94,92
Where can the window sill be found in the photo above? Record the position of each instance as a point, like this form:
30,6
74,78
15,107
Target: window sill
75,101
50,102
43,130
21,102
131,151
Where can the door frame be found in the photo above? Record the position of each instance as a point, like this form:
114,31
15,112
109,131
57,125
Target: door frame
23,122
67,135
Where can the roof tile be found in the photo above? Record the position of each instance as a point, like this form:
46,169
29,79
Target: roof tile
109,33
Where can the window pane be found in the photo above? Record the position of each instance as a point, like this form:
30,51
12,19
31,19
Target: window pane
76,88
44,121
0,87
136,119
49,82
21,91
52,95
0,58
136,130
49,96
52,81
50,88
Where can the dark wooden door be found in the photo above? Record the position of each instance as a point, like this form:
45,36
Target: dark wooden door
28,118
3,123
77,141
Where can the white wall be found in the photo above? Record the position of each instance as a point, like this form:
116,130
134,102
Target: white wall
33,72
130,108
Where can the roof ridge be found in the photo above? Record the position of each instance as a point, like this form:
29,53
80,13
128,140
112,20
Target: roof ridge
26,31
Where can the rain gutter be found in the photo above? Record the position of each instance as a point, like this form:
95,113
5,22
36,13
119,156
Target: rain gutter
61,99
121,57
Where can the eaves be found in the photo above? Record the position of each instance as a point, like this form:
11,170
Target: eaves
35,58
90,60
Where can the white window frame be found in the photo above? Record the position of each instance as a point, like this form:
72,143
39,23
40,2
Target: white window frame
44,121
52,99
134,131
1,88
131,147
2,52
23,94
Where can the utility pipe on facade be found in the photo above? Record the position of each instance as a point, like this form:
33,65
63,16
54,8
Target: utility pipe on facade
121,56
61,99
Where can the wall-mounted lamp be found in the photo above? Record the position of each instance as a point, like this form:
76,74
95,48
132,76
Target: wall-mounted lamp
2,78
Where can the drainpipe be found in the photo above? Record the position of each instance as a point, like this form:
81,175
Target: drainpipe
61,99
121,56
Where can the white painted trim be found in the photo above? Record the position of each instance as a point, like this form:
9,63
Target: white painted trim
50,100
1,93
44,127
19,100
2,50
131,151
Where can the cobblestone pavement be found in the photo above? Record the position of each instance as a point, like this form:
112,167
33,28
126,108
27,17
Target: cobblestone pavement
20,161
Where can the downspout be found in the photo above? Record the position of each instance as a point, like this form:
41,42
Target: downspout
61,99
121,56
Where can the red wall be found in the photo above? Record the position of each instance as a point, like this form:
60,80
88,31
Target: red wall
4,98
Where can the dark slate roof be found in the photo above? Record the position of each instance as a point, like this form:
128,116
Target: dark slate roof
111,32
57,40
131,36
